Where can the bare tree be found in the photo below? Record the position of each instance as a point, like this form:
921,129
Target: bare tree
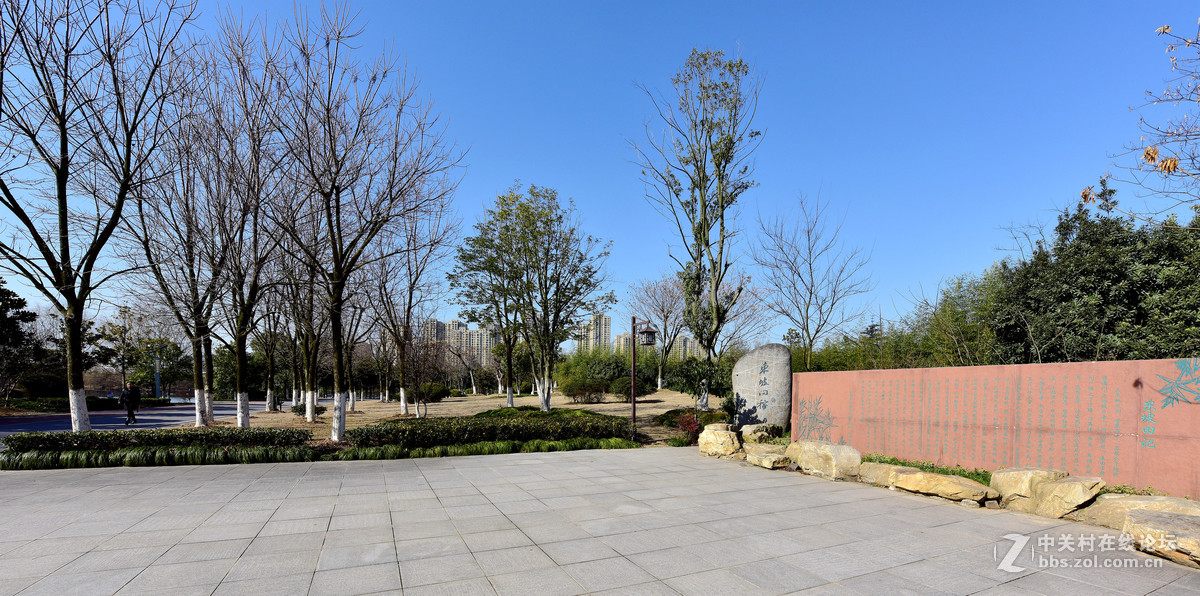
749,321
405,277
245,176
84,95
696,171
367,151
660,301
813,277
169,239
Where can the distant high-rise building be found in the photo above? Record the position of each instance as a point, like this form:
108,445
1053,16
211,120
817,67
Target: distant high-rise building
460,338
596,334
622,342
685,346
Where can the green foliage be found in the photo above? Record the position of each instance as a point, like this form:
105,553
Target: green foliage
536,412
301,410
584,391
153,456
620,386
680,441
482,448
429,432
670,418
980,476
170,437
1125,489
432,392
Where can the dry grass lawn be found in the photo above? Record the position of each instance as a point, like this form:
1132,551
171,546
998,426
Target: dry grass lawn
370,411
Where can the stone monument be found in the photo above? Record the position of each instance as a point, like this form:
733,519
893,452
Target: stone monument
762,386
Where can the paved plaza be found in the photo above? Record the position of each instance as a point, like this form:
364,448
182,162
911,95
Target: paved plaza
643,521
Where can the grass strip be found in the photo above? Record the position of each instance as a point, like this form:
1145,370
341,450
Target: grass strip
981,476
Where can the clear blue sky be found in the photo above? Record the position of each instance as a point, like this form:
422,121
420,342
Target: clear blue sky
930,125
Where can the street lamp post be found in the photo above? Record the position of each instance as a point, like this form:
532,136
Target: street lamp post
640,332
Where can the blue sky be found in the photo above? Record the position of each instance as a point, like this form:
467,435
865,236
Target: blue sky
931,126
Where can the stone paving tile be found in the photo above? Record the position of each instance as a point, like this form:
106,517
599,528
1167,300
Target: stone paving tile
423,548
525,558
435,570
356,556
10,586
606,574
338,538
357,580
646,589
218,533
718,581
577,551
92,582
186,552
287,585
550,581
255,567
942,577
104,560
173,576
776,576
498,539
50,546
467,587
15,567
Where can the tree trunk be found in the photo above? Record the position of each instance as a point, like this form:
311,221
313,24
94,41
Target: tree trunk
243,391
198,378
338,424
208,378
73,330
403,401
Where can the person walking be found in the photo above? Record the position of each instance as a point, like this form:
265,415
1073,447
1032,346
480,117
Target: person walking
131,398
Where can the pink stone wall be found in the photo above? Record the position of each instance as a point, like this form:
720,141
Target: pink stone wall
1131,422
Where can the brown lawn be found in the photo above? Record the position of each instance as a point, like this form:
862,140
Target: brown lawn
371,411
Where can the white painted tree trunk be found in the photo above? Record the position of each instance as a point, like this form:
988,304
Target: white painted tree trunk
198,395
403,402
660,383
80,421
243,410
208,407
509,392
544,392
339,417
387,395
295,397
350,400
310,406
270,398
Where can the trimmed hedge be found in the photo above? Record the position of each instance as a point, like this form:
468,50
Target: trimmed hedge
431,432
153,456
165,437
301,410
483,448
536,412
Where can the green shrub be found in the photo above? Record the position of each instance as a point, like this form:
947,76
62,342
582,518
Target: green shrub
980,476
432,392
620,387
536,412
482,448
583,391
430,432
221,436
152,456
301,410
1125,489
670,418
680,441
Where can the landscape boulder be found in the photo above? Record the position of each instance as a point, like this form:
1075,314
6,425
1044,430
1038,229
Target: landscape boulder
825,459
1173,536
718,442
955,488
762,386
1111,510
771,457
881,474
1057,498
760,433
1017,485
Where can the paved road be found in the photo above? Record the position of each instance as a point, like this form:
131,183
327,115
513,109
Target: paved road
638,521
115,419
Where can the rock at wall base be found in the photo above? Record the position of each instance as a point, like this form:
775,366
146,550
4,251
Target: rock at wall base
1111,510
1060,497
718,443
1172,536
955,488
